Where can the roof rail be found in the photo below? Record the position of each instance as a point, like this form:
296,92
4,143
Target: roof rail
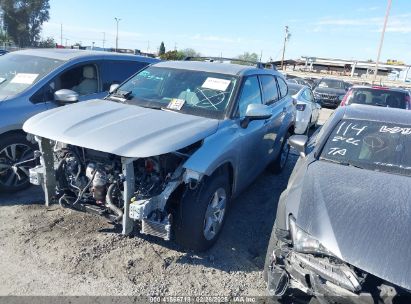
258,64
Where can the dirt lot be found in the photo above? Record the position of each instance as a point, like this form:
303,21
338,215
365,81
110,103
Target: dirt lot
55,251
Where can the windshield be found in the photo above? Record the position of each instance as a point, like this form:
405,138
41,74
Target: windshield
378,97
192,92
370,145
18,72
332,84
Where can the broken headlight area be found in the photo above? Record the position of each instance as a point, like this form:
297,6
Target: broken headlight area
94,181
300,266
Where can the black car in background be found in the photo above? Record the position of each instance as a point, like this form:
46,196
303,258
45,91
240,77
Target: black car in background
378,96
329,92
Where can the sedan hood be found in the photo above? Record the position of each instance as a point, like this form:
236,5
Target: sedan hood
361,216
330,91
121,129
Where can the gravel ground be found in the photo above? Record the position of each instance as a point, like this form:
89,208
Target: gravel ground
55,251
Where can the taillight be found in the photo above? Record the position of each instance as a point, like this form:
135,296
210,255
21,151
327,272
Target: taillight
345,98
300,107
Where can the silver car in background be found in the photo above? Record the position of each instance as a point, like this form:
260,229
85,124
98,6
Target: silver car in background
308,110
32,81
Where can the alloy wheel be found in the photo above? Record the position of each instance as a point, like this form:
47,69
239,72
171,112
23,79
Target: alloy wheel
12,176
214,215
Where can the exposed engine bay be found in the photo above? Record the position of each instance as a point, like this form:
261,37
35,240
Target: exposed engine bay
93,181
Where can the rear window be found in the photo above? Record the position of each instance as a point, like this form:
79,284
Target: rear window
371,145
378,97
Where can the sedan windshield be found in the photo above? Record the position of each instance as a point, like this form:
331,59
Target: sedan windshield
378,97
18,72
370,145
192,92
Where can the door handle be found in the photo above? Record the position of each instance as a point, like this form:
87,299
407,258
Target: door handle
284,109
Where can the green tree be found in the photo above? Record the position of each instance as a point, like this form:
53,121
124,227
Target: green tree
253,57
190,53
23,19
162,49
173,55
49,42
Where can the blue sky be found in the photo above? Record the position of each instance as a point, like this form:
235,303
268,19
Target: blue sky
323,28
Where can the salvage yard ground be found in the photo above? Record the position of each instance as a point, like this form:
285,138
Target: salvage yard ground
55,251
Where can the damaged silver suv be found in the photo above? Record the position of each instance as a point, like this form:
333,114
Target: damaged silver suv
168,149
342,228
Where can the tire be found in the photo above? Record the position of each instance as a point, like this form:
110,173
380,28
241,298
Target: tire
279,163
272,244
193,229
15,148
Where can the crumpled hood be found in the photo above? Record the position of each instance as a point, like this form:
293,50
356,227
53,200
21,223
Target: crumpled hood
330,91
362,216
121,129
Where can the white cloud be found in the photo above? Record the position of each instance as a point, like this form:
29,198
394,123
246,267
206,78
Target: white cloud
396,24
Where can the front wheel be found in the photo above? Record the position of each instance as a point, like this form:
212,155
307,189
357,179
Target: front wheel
14,149
202,213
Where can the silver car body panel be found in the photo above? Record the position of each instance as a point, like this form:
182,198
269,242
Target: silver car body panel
121,129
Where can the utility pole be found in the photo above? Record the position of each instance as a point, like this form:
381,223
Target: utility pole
387,13
61,34
104,39
92,47
117,21
286,38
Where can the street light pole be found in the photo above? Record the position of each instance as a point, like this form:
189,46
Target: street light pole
117,21
104,39
387,13
286,37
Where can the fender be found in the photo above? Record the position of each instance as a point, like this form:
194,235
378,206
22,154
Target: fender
217,150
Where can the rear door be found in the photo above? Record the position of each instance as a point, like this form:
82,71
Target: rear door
273,98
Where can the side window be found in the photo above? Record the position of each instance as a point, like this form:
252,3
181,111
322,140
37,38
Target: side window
282,87
116,71
82,79
250,94
269,86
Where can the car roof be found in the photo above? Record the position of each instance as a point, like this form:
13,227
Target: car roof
69,54
217,67
374,113
380,88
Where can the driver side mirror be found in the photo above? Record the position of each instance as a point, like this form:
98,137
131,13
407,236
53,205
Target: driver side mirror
113,87
255,112
299,142
66,96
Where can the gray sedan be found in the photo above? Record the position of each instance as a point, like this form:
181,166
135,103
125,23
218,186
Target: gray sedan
29,80
342,225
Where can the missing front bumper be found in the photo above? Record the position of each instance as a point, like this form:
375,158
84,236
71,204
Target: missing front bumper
310,275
